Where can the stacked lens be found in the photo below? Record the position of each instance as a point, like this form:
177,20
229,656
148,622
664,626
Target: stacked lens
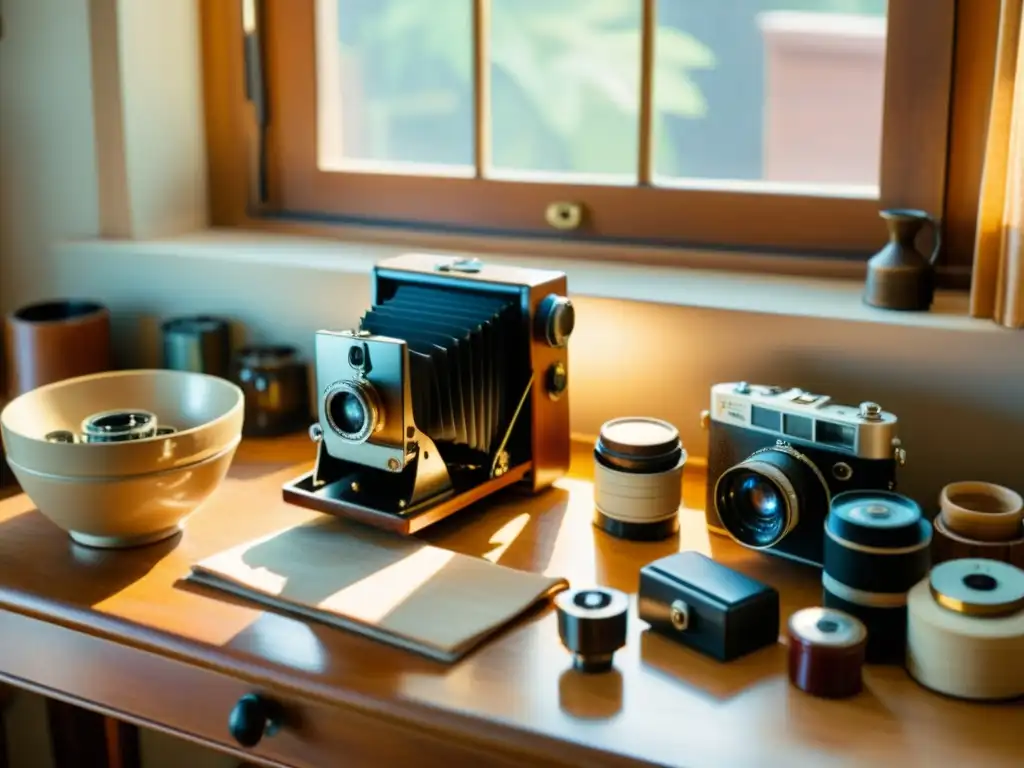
876,549
638,475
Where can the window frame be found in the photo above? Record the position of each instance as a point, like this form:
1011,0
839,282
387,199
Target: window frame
931,133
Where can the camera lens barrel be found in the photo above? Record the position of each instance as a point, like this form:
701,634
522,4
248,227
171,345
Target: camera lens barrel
353,410
826,652
638,471
876,548
761,499
118,425
592,625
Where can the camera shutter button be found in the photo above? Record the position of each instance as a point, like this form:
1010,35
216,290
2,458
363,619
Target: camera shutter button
870,411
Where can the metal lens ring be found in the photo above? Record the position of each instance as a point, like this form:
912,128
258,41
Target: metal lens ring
771,523
353,410
119,425
788,449
757,503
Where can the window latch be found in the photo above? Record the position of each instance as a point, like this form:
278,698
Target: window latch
564,216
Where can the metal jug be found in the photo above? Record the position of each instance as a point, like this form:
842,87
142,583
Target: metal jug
900,276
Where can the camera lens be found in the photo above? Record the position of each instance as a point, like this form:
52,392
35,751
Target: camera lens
757,509
759,499
356,358
638,473
116,426
348,412
353,410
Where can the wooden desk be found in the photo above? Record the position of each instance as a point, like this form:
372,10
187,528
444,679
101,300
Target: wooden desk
113,632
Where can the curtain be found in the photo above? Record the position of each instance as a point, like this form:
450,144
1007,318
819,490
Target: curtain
997,287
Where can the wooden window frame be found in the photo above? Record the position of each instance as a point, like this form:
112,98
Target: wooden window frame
938,80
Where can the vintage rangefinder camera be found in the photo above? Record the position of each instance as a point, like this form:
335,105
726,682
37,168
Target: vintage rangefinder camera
453,386
777,456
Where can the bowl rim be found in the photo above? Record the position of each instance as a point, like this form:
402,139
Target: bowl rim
91,479
239,404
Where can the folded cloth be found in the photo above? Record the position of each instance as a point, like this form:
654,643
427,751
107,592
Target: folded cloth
396,590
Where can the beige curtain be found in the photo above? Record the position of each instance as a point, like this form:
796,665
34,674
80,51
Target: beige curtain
997,288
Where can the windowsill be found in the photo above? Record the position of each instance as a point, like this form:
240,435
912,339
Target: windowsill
818,297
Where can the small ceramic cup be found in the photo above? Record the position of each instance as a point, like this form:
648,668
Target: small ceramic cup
982,511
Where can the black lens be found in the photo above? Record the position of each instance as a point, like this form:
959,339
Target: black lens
752,507
115,426
347,413
356,357
120,421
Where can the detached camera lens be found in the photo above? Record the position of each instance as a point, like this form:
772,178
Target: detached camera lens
353,410
117,426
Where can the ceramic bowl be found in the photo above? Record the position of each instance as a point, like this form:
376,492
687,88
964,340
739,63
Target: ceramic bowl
119,512
206,411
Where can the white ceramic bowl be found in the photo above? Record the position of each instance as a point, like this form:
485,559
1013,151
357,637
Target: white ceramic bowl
206,410
129,511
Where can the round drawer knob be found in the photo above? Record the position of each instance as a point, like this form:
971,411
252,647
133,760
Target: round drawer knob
252,718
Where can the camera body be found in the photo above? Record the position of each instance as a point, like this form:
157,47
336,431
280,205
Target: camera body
453,386
776,457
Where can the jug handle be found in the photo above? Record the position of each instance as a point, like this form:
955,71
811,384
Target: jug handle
937,229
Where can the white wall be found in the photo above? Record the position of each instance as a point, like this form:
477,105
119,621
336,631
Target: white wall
960,393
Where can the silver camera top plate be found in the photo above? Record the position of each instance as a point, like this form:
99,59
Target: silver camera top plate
865,431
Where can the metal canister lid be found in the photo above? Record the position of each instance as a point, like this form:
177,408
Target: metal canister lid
877,519
639,444
976,586
827,627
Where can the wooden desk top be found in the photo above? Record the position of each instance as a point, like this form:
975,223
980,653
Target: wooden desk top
664,704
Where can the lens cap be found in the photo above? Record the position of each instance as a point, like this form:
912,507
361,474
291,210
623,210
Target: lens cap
877,519
639,444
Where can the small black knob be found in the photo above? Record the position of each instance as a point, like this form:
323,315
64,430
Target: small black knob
557,380
556,319
592,625
252,718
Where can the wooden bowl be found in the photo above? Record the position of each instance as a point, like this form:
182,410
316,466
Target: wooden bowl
207,412
128,511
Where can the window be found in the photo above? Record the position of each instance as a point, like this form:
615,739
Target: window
746,124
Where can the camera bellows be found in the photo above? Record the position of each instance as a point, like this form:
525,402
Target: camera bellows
826,652
457,356
965,630
638,469
592,625
876,549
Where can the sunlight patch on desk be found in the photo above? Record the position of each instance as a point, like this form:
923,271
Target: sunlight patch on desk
286,641
504,536
573,552
374,597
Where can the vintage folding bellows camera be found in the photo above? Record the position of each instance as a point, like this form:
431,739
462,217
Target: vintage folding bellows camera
453,386
776,456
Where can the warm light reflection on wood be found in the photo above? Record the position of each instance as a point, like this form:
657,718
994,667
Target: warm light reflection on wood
574,546
504,536
373,598
288,642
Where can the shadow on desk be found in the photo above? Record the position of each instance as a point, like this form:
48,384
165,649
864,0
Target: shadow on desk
65,571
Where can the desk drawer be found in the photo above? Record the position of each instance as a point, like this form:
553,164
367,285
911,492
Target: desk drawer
193,702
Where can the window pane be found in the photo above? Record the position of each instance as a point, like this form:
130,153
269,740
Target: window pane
395,85
565,81
783,91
